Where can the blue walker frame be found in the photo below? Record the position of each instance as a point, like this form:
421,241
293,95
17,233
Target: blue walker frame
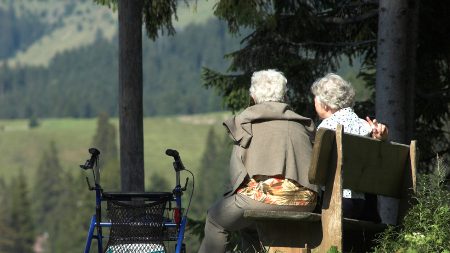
178,222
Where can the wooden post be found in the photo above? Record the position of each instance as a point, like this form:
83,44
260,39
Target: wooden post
130,96
332,209
413,159
409,184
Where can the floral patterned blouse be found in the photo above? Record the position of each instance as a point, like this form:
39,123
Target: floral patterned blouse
278,191
351,122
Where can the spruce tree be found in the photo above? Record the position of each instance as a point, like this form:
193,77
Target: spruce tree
105,138
6,230
47,188
213,175
75,208
21,215
106,141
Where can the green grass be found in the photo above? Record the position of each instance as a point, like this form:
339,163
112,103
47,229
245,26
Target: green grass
22,147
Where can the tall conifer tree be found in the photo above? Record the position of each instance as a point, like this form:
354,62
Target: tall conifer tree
213,174
21,215
105,139
6,229
47,193
75,208
47,187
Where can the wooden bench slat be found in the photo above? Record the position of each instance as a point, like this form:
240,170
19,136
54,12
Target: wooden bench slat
374,166
281,215
371,165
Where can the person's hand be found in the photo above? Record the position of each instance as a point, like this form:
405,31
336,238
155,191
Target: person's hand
379,131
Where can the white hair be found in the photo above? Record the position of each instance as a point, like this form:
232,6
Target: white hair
268,85
333,91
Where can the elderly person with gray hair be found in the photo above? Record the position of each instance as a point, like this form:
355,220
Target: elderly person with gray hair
269,164
333,101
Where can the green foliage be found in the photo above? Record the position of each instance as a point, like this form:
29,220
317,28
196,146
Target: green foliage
105,138
69,220
6,228
49,193
234,89
158,15
159,183
333,249
212,178
296,37
75,207
18,32
21,217
47,187
213,174
106,141
109,3
33,122
187,134
426,227
83,82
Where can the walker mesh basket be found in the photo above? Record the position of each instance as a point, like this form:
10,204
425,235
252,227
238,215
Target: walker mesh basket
135,227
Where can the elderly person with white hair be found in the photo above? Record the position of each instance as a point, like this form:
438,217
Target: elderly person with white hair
333,101
269,163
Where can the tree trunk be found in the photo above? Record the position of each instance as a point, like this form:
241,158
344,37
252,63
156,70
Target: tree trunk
395,77
411,54
130,95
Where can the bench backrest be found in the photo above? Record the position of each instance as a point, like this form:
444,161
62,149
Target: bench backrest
341,161
362,164
369,165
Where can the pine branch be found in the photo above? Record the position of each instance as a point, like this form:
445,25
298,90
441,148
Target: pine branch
356,19
359,4
331,44
443,93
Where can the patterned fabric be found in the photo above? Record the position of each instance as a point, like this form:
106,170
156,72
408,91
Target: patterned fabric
352,125
351,122
278,191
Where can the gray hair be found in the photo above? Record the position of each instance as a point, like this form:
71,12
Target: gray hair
333,91
268,85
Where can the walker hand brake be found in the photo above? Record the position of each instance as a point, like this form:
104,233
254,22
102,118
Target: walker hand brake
185,184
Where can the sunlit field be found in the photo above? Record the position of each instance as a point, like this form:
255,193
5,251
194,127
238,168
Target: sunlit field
21,147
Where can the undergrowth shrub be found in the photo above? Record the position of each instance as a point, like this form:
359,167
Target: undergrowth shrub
426,227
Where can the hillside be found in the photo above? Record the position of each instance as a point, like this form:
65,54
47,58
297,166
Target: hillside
73,24
22,147
69,67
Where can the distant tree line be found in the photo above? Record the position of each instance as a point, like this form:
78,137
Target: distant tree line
84,81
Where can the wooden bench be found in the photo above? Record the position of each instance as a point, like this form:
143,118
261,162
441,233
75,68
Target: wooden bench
341,161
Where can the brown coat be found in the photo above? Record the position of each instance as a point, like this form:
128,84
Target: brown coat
270,139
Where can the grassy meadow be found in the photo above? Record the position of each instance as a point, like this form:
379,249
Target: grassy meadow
21,147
